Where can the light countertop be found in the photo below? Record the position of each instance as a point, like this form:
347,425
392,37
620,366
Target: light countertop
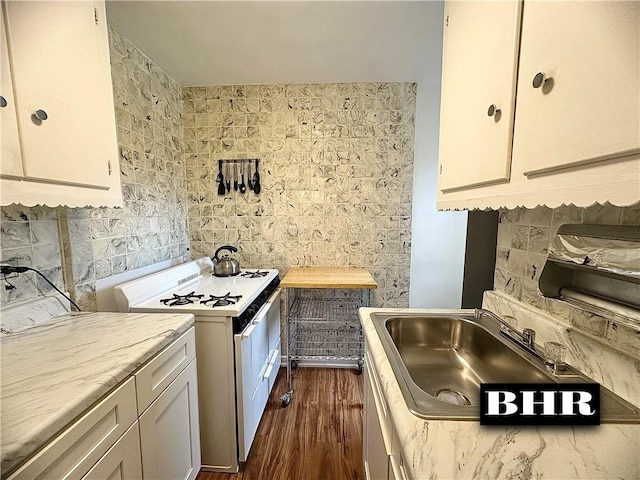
466,450
328,277
53,373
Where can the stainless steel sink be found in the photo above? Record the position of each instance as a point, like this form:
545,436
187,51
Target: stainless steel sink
441,359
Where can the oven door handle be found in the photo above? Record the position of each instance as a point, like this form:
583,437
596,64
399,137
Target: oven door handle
262,313
247,331
267,305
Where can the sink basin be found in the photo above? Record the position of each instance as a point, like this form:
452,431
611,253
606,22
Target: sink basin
441,359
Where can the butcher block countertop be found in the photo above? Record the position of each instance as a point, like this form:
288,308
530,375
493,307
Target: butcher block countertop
53,373
328,277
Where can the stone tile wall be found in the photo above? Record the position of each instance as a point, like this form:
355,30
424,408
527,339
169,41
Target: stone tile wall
524,237
336,163
152,226
29,237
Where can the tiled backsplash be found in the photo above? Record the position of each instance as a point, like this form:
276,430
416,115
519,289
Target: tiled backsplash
524,236
30,238
150,228
336,163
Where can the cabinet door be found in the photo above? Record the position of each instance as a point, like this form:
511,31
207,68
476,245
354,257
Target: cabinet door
122,461
10,153
170,433
376,460
478,92
60,62
587,110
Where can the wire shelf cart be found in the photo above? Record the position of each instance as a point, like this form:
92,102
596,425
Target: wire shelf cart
321,328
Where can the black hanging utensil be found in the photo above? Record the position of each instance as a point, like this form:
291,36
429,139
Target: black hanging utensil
242,186
249,178
228,178
220,179
256,180
235,175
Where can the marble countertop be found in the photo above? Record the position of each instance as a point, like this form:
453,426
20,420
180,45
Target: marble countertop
52,373
465,450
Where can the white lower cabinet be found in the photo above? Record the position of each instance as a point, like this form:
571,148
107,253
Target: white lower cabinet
376,460
154,437
169,431
122,461
382,449
72,453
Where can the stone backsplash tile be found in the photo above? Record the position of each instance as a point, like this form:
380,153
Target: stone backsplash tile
524,236
336,165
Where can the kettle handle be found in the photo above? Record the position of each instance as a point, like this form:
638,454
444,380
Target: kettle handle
231,248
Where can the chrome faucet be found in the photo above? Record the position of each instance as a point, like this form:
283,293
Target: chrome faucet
527,338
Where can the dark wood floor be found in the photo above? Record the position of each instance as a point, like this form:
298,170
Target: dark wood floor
317,437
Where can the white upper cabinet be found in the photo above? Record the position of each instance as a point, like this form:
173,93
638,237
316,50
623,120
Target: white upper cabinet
576,128
61,83
585,101
10,153
478,92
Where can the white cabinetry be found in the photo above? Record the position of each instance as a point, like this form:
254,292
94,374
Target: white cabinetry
148,424
62,100
72,453
167,391
10,152
382,449
376,459
169,431
576,134
122,461
589,108
478,92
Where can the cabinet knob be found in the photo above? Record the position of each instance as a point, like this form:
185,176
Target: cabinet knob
3,102
41,115
539,80
493,111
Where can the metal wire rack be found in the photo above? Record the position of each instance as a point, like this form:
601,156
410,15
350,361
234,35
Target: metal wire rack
325,329
322,317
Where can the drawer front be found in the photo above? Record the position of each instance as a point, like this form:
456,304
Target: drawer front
79,447
122,461
164,368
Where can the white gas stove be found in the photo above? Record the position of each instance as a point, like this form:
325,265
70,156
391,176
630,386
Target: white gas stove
192,288
237,347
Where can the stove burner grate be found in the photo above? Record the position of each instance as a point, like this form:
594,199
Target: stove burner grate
222,301
178,300
256,274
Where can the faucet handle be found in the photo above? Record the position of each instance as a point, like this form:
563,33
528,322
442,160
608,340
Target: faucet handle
554,354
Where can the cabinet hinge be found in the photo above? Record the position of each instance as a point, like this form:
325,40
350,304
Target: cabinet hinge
440,169
447,21
95,15
109,165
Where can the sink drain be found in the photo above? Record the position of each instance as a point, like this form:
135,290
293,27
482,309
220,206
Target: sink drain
452,397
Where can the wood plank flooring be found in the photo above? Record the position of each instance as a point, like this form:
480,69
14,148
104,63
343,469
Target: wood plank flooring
317,437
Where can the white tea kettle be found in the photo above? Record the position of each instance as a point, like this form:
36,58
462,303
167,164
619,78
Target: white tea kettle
225,266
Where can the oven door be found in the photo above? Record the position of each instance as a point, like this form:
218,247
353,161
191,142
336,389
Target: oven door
254,368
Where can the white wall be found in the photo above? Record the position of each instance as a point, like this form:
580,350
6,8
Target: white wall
438,238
